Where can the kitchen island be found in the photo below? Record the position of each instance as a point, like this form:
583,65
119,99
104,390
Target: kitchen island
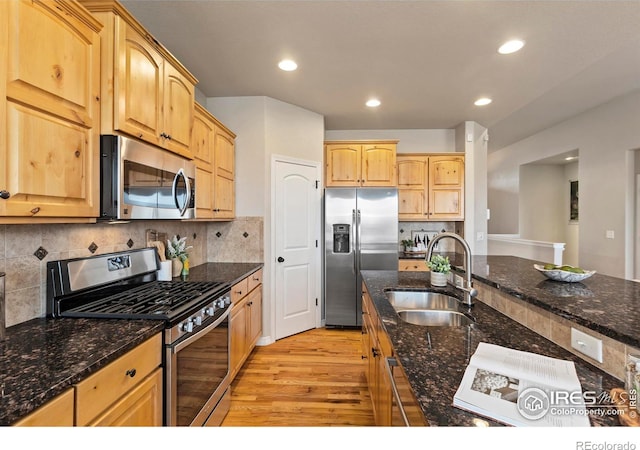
44,357
434,358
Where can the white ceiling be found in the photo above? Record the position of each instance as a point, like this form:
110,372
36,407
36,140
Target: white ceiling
427,61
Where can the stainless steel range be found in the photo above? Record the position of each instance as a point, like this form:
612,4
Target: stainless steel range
123,285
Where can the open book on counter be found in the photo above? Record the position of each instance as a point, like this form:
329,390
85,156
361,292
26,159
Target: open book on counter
522,389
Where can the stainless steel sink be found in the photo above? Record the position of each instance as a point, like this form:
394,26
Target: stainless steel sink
428,308
435,318
403,300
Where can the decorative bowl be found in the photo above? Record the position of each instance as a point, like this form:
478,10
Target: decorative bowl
563,275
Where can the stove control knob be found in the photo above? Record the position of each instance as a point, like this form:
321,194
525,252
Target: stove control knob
187,326
220,303
227,300
199,320
211,310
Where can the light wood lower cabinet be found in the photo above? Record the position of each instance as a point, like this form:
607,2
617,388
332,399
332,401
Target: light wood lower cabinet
127,392
392,398
56,413
412,265
246,319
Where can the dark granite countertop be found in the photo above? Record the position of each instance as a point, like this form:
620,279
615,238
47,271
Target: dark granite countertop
434,358
608,305
42,358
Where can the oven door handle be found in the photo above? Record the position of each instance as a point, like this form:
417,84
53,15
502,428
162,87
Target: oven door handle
194,337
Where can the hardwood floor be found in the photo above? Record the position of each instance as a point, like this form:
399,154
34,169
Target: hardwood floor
315,378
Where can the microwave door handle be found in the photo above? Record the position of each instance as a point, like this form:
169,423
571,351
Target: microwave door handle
174,191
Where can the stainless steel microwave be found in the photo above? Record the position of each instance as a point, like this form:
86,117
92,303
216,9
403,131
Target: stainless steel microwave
140,181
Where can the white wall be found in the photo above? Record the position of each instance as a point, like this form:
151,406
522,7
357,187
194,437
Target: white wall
471,138
266,127
605,137
410,141
542,191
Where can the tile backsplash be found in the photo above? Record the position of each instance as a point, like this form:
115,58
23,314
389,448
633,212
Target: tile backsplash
22,246
406,230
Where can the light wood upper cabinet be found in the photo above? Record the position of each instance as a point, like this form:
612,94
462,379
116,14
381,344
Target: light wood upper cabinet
224,199
213,148
202,138
360,163
49,112
146,92
431,187
446,187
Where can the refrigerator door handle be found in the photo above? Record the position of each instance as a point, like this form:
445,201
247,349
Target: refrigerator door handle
359,249
353,239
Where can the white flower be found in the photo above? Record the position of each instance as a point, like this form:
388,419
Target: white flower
177,248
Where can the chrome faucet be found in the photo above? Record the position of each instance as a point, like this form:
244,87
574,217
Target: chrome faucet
467,287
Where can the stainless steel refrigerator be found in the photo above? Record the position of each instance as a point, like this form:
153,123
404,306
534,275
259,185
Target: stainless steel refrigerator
360,233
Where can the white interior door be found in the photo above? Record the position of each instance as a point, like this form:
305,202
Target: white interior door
297,253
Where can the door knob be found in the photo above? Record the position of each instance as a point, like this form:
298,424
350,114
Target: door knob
280,259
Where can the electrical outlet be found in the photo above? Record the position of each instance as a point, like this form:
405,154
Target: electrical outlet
480,236
586,344
609,234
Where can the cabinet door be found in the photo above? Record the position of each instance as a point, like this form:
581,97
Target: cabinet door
224,171
177,111
254,305
343,165
412,185
204,195
49,151
138,85
379,165
202,136
446,188
55,413
142,407
98,392
201,147
238,338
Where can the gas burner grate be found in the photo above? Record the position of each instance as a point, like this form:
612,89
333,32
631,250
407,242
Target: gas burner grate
154,300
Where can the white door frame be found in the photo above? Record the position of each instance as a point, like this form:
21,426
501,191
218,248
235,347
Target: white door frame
272,238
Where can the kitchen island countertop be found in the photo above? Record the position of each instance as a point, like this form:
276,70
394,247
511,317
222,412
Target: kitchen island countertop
43,357
435,358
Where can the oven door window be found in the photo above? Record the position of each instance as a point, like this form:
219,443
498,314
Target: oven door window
202,369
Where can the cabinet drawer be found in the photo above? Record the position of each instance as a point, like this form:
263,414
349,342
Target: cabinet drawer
142,407
239,290
412,265
254,280
100,390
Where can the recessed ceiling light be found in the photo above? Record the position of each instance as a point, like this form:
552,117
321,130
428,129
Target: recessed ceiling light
511,46
288,65
482,101
570,158
374,102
